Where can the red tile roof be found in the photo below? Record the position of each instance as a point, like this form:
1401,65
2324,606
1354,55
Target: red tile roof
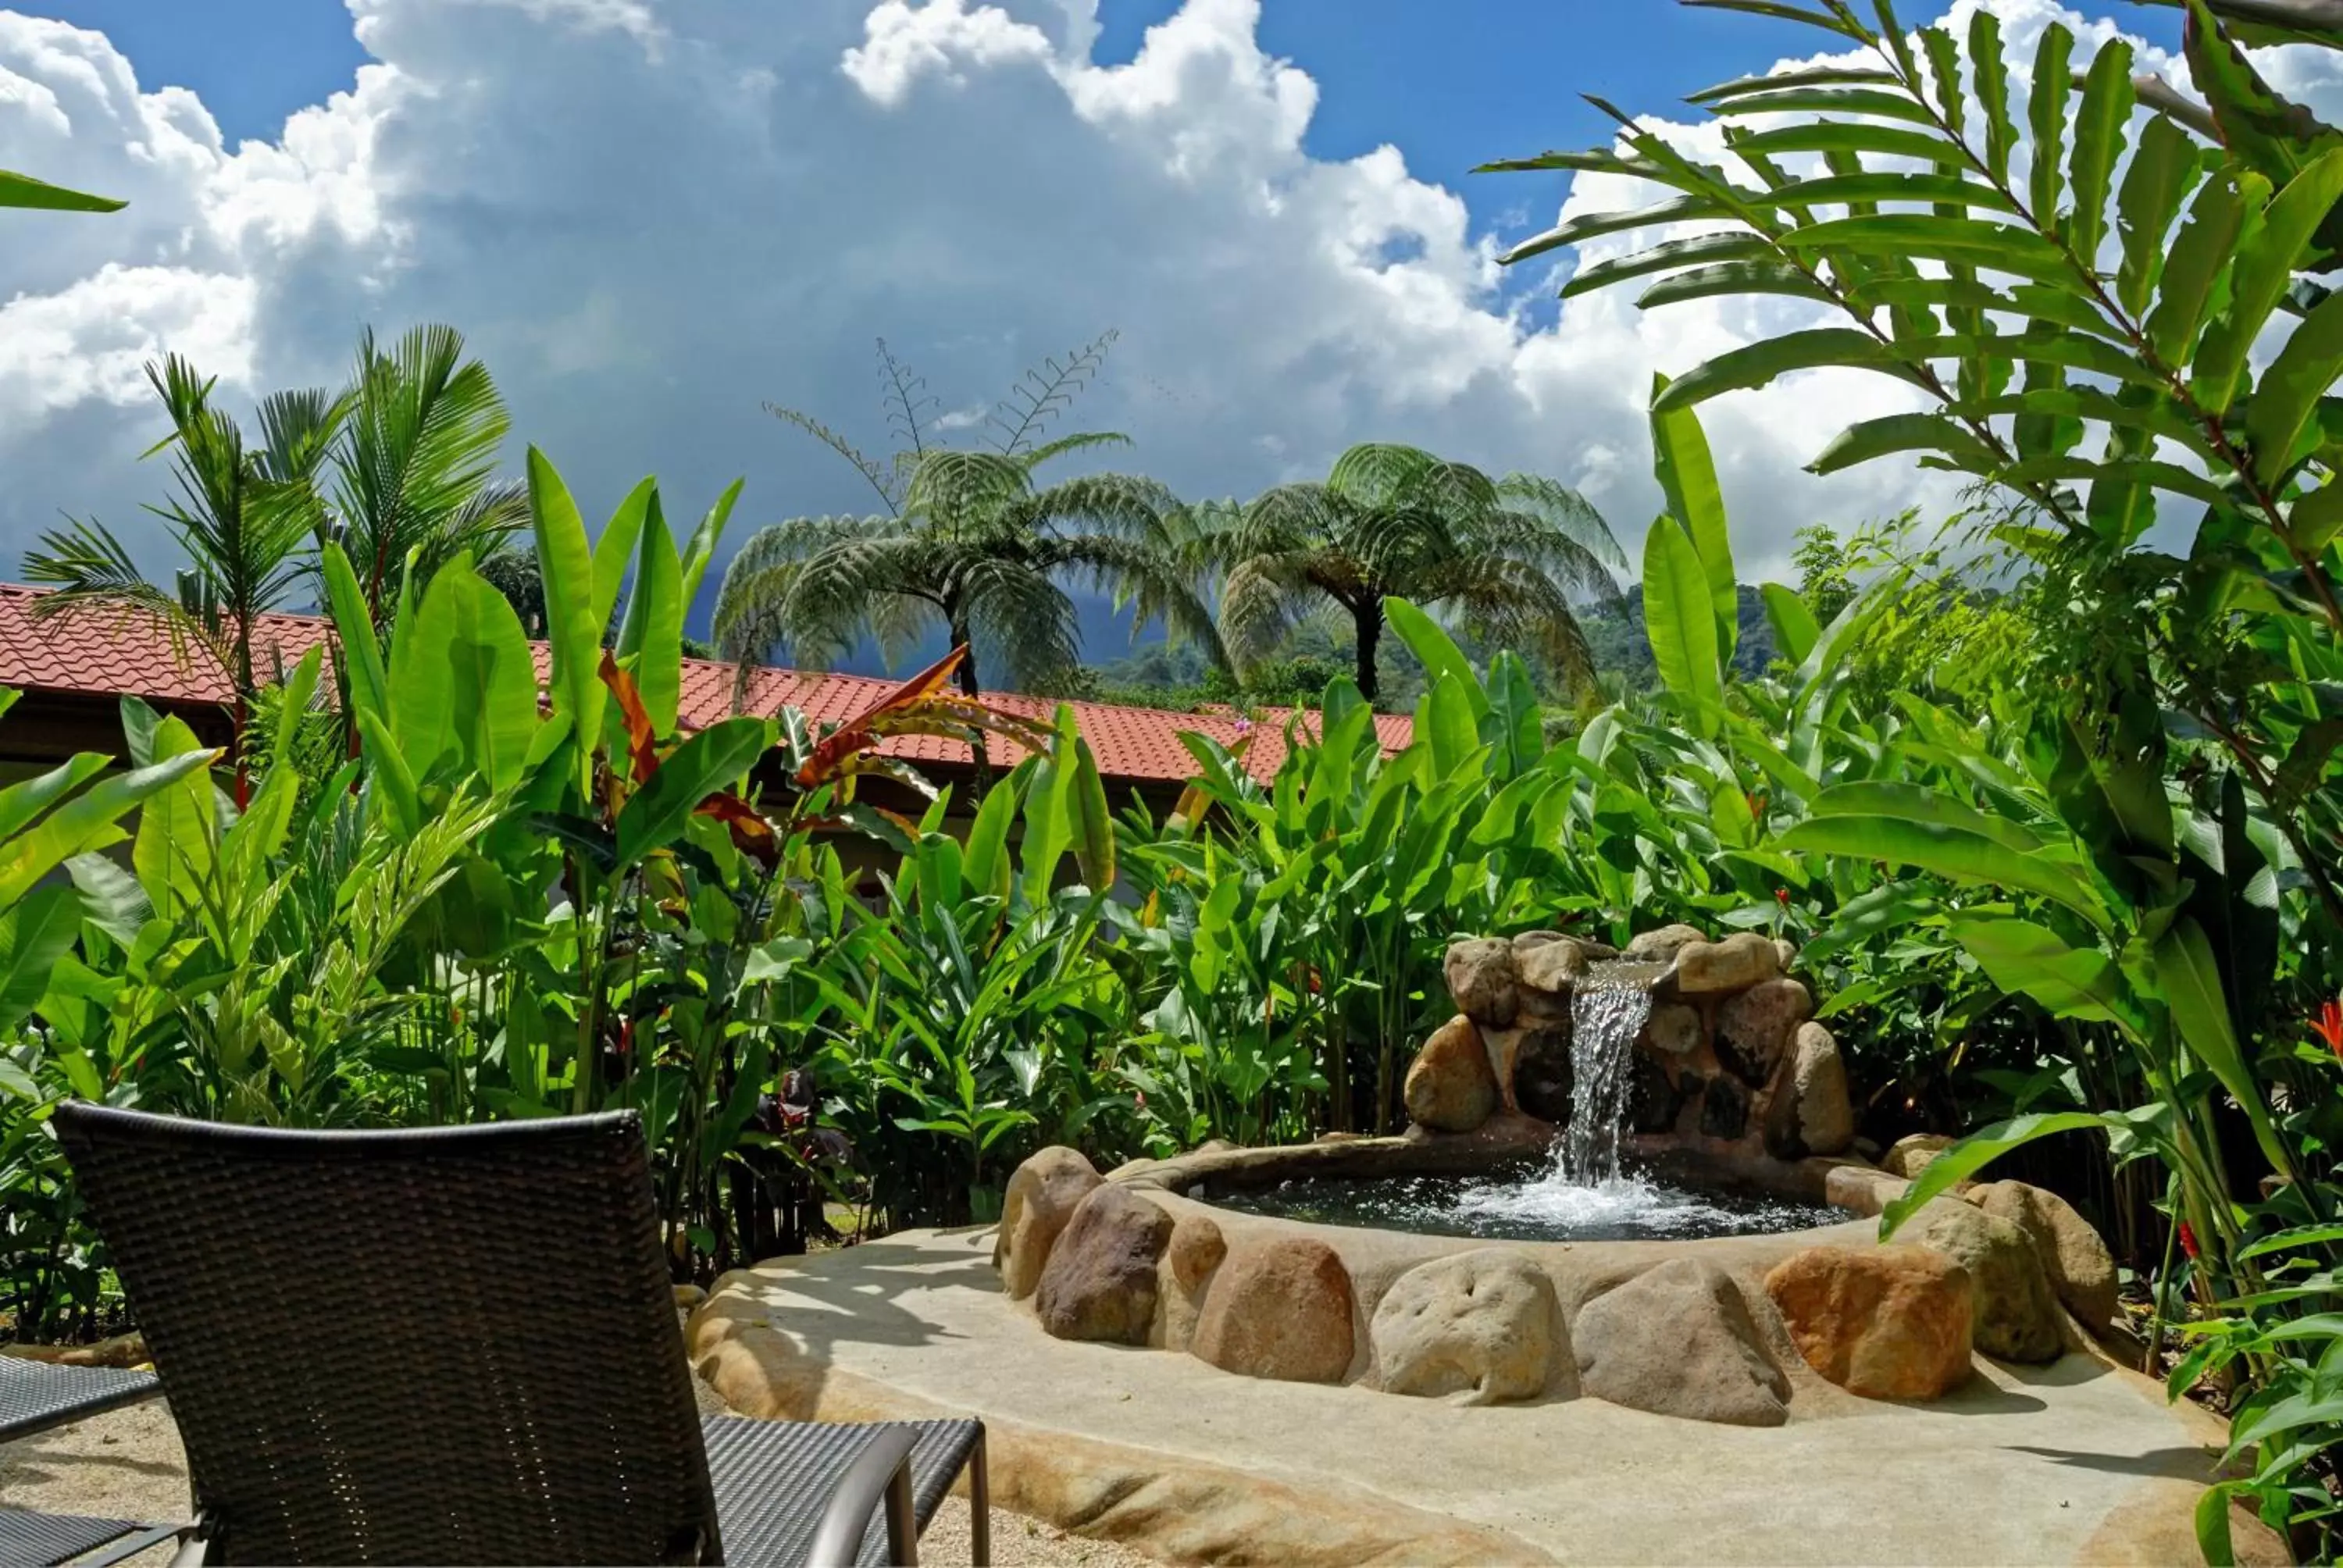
105,652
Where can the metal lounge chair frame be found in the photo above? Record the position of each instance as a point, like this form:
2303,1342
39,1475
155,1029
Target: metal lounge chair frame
459,1345
35,1397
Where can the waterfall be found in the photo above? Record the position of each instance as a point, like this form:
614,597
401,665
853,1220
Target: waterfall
1606,1013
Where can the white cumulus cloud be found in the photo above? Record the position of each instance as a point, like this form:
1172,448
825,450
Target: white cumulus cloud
652,220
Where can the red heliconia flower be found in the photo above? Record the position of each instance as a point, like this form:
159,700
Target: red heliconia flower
2189,1241
1782,897
2330,1025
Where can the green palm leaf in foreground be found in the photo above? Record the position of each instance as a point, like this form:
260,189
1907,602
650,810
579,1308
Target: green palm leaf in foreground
23,190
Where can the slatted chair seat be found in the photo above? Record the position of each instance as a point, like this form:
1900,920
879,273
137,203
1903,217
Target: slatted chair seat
459,1345
35,1396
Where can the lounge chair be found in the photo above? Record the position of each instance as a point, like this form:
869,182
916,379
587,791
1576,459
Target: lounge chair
459,1345
35,1397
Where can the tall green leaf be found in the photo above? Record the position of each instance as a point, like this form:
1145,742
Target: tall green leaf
2107,100
652,633
571,627
1680,619
2045,108
2021,957
1687,475
354,631
701,550
615,549
2163,168
1794,630
2289,391
178,828
1435,650
2196,257
24,191
711,760
2266,263
1989,75
87,822
33,936
1949,850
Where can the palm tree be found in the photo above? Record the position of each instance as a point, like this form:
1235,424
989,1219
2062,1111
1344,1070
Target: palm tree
414,470
1506,556
242,517
971,543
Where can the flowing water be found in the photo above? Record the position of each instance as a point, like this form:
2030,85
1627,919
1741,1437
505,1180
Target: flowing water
1607,1011
1583,1192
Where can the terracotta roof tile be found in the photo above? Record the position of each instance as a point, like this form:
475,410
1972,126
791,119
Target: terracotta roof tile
105,652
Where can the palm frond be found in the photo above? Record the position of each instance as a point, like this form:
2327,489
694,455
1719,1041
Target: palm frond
1565,511
1022,624
1045,391
887,484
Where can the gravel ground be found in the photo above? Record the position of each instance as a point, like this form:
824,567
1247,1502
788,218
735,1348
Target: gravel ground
127,1464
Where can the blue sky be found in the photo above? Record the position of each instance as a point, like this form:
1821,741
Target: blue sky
652,217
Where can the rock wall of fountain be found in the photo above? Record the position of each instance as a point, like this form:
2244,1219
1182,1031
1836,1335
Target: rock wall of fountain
1728,1062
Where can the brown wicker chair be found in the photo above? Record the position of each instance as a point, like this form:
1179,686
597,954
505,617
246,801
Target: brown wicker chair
459,1345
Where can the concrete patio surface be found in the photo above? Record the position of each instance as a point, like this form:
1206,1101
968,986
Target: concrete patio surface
2078,1462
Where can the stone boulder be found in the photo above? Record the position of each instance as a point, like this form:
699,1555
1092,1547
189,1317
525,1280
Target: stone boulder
1824,1113
1740,961
1723,1107
2014,1312
1674,1030
1530,1062
1660,946
1480,974
1552,966
1910,1155
1282,1309
1100,1283
1678,1339
1785,954
1754,1029
1194,1252
1450,1086
2081,1269
1886,1322
1482,1324
1653,1102
1541,1077
1041,1196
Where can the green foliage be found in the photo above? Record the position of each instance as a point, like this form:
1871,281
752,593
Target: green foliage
2143,844
969,543
1504,556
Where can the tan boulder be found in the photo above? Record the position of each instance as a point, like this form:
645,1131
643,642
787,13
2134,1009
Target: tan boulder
1673,1029
1659,946
1754,1029
1482,1324
1552,967
1042,1197
1450,1086
1826,1114
2081,1269
1910,1155
1740,961
1480,975
1887,1323
1785,954
1194,1251
1100,1282
1678,1339
2014,1312
1280,1310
